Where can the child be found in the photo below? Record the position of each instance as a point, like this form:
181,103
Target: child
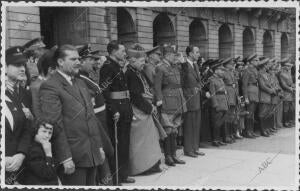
40,168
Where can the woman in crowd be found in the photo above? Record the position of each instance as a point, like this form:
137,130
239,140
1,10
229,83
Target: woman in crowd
17,115
144,149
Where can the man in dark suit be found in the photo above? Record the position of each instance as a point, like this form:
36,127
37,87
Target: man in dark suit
65,101
17,114
191,91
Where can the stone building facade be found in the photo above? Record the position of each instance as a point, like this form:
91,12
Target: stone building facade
219,32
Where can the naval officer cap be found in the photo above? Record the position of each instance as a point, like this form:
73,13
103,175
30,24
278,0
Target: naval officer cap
34,44
14,56
250,58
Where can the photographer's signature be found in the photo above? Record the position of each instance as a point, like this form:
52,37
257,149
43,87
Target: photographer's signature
264,165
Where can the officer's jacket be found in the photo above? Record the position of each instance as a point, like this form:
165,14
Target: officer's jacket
167,86
265,87
286,83
191,86
217,89
112,79
231,85
275,99
249,84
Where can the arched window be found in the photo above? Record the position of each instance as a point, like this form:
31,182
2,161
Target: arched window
284,46
163,30
268,45
197,36
225,42
248,42
126,28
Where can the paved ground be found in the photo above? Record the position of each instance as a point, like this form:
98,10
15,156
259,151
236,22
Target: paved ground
258,163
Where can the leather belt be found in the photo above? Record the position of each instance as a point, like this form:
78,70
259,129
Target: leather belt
119,95
173,86
253,84
99,109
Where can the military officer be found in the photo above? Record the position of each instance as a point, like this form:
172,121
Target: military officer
153,58
265,98
250,93
286,82
88,63
170,99
219,102
231,85
115,90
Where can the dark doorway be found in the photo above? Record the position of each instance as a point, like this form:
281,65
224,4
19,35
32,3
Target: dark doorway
198,38
126,27
284,46
248,42
163,30
268,45
225,42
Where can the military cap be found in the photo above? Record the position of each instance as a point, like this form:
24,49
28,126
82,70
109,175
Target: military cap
85,51
207,62
136,51
263,61
14,56
34,44
152,50
237,59
217,64
285,62
250,57
227,61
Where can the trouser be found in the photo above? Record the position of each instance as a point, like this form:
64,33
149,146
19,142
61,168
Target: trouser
191,130
218,120
170,146
279,113
266,116
231,121
249,120
123,130
104,177
81,177
288,112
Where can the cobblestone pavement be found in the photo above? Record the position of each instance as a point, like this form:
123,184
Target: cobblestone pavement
263,162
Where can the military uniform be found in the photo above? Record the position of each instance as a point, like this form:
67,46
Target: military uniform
231,86
287,85
219,104
266,91
251,93
167,86
116,94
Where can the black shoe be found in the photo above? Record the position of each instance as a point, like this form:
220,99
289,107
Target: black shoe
177,160
190,154
215,143
221,143
199,153
264,134
128,180
169,161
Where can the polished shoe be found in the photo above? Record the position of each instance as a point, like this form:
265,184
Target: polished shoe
221,143
215,143
128,180
237,136
169,161
264,134
199,153
177,160
254,135
190,154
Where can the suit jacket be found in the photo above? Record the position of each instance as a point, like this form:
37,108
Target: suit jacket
217,90
77,132
249,84
167,88
265,88
231,84
18,130
136,89
35,88
286,83
40,169
191,86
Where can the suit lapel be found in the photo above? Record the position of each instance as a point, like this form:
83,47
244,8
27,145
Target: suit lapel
68,87
193,71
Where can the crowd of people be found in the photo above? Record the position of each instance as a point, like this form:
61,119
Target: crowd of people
76,117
